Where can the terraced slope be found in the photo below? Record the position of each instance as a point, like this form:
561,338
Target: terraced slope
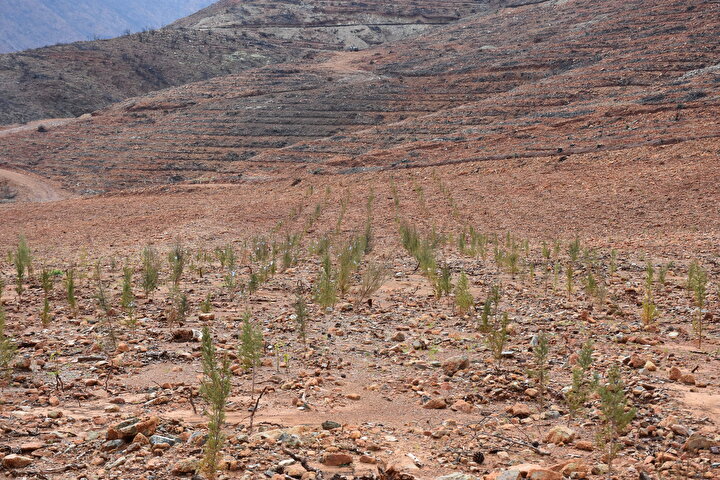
543,80
228,37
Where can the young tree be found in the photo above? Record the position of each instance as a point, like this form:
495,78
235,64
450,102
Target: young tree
615,413
150,270
463,298
215,389
541,372
251,347
8,348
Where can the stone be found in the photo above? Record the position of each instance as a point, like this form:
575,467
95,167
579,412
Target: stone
401,466
141,439
336,459
674,374
543,474
131,427
650,366
330,425
462,406
16,461
435,404
520,410
454,364
295,470
352,396
584,445
206,317
696,442
111,445
398,337
636,361
508,475
688,379
160,439
185,466
457,476
560,435
31,446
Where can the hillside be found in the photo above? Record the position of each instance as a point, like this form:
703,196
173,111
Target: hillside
29,24
70,80
531,81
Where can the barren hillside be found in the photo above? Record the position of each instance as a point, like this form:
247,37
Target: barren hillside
69,80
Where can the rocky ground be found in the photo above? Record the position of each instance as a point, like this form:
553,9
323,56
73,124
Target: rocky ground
404,386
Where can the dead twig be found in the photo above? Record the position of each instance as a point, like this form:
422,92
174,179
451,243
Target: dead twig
252,414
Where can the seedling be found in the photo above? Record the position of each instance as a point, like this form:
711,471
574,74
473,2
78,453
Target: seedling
541,370
127,299
8,348
372,279
615,413
215,389
150,270
250,348
464,300
177,257
301,317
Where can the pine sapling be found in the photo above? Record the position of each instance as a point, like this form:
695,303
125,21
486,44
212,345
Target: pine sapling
215,389
464,300
8,348
541,370
70,289
301,317
127,298
150,270
615,413
250,348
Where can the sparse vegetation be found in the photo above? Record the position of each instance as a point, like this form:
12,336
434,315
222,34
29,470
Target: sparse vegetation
616,415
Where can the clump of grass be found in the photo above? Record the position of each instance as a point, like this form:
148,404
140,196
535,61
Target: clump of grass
649,309
226,256
615,413
46,283
464,300
150,270
215,389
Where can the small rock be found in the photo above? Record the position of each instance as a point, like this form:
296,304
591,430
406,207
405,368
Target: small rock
330,425
184,466
560,435
336,459
675,374
435,404
688,379
697,442
454,364
295,470
16,461
520,410
462,406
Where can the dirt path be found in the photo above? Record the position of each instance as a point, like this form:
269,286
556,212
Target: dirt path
30,188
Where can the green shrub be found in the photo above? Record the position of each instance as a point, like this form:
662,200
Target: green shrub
541,370
70,289
127,298
372,279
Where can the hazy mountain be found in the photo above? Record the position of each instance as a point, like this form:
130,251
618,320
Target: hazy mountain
35,23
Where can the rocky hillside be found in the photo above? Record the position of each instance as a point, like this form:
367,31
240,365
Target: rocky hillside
547,80
228,37
35,23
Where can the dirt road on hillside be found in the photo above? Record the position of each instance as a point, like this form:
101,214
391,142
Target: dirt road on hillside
30,188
